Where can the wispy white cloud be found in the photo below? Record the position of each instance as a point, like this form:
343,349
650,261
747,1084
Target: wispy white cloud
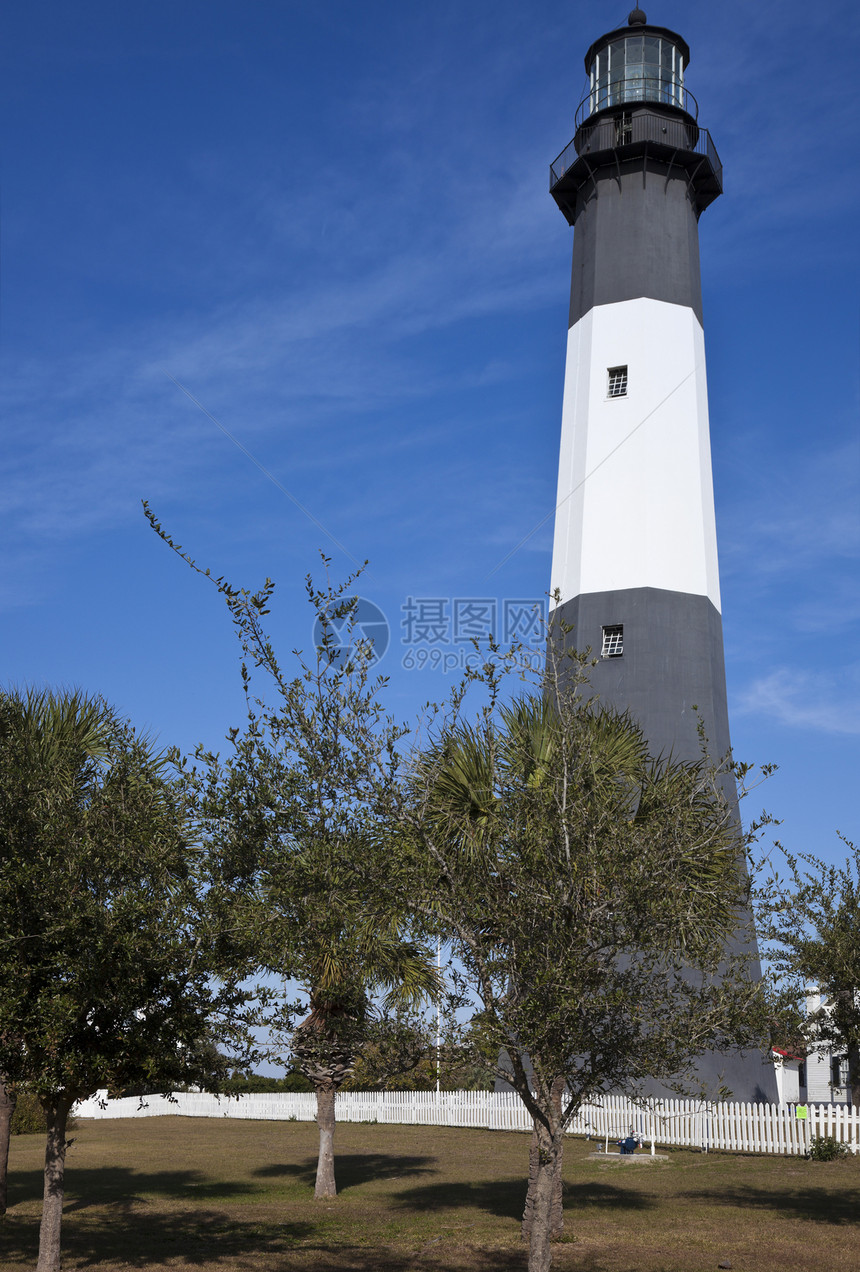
833,608
799,699
107,418
797,511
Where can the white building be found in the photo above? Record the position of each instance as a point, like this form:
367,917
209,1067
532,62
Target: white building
816,1078
790,1076
826,1077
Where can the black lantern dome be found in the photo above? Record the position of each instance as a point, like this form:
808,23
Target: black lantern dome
637,63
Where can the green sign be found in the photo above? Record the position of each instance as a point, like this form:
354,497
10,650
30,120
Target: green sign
800,1112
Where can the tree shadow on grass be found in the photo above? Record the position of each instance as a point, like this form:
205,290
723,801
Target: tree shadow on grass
592,1192
506,1197
141,1239
351,1169
121,1186
815,1203
129,1225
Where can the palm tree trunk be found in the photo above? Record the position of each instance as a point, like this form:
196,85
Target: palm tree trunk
7,1108
57,1113
325,1184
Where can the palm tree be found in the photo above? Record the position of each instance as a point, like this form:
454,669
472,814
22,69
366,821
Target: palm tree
300,857
299,889
343,976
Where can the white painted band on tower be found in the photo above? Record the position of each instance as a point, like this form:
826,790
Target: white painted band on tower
635,505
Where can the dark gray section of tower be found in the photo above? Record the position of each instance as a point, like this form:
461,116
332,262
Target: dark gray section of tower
671,678
671,675
636,235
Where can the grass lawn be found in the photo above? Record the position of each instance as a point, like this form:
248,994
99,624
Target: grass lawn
227,1195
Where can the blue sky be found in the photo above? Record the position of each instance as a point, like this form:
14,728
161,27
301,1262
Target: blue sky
330,223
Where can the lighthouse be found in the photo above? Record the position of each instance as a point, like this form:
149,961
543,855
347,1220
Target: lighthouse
634,563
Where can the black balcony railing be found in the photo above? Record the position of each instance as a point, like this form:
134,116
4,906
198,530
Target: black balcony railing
666,133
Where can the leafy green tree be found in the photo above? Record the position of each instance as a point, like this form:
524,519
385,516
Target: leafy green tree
410,1051
293,817
589,893
300,890
103,967
20,723
397,1054
254,1083
811,922
340,972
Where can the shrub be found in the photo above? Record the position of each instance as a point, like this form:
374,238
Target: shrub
257,1083
29,1117
826,1148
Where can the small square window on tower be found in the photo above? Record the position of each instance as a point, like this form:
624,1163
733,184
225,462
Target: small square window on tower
616,382
613,641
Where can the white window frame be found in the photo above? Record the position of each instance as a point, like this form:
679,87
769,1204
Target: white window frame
612,640
619,371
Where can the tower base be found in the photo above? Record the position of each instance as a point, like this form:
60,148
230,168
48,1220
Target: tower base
670,677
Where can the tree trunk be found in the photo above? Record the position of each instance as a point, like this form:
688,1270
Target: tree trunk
57,1113
325,1185
7,1108
540,1231
557,1212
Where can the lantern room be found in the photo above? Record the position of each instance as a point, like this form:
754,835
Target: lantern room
640,64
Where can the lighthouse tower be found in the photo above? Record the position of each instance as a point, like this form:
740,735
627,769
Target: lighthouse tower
635,550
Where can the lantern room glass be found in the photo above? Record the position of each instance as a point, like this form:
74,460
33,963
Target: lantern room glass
637,68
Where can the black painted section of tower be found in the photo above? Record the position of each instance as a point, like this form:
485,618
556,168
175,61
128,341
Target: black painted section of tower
619,138
636,235
672,671
671,679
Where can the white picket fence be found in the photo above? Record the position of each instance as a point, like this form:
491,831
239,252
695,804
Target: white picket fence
751,1128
